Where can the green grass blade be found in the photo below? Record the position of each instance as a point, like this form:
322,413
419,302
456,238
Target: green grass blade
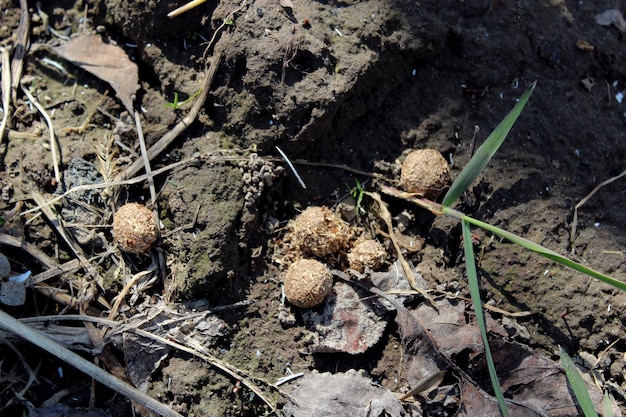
607,406
547,253
472,277
485,152
577,384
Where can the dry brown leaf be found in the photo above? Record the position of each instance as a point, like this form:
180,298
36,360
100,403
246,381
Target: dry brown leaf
534,384
346,322
106,61
343,394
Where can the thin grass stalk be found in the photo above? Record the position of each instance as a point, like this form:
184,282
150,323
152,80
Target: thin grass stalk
577,384
472,276
541,250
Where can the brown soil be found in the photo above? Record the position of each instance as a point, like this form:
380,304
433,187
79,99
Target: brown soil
336,84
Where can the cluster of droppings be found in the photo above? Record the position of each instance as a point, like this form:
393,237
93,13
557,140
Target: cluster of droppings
257,175
425,172
134,228
320,233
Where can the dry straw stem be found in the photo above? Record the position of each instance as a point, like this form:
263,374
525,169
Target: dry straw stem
60,230
116,183
572,237
21,45
53,142
386,217
6,89
458,297
185,8
146,162
39,339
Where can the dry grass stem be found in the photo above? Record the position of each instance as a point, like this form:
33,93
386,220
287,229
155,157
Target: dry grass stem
6,89
458,297
386,217
91,271
228,21
86,121
116,183
127,287
293,169
19,51
202,353
53,142
146,161
185,8
584,200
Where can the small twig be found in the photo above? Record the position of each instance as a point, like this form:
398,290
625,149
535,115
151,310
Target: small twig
53,142
166,140
146,161
228,21
302,184
6,90
572,237
19,53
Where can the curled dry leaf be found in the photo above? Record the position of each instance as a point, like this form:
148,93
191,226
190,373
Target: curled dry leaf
106,61
287,4
611,17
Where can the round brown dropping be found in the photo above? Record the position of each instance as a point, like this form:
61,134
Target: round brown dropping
134,229
307,283
367,254
319,232
425,172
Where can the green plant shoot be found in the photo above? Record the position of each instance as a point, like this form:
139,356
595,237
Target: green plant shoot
472,277
175,105
577,384
357,193
486,151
